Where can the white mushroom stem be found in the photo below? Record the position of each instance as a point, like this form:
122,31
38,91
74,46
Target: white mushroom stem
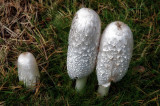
80,83
103,89
28,71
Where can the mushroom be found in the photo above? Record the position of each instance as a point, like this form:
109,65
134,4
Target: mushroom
114,55
28,71
83,39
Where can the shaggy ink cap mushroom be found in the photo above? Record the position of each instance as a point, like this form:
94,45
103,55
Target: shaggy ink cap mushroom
83,41
28,71
114,55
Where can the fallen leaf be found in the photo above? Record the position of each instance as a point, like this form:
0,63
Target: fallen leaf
140,69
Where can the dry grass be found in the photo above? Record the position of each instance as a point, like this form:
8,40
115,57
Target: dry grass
19,32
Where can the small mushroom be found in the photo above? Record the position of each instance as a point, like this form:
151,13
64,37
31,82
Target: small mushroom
114,55
28,71
83,39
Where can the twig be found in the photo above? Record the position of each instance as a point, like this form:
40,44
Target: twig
8,30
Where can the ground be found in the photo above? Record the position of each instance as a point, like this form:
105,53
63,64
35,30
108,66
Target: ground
42,28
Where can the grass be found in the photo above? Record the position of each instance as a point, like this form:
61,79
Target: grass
42,27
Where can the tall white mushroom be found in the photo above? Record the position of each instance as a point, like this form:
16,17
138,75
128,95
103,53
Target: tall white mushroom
83,45
114,55
28,71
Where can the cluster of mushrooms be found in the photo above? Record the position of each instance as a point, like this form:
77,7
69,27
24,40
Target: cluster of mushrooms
110,53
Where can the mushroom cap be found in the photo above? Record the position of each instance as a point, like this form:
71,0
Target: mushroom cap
83,43
27,69
115,53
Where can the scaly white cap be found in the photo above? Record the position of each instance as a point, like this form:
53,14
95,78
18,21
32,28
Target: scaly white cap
83,43
115,53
